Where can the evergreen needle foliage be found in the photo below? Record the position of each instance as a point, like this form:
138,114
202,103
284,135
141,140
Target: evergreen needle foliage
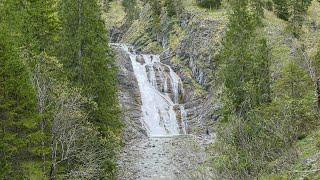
58,91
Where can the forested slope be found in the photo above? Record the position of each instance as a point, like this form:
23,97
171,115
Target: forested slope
58,104
249,68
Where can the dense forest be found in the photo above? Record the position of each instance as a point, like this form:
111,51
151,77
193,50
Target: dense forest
59,108
257,79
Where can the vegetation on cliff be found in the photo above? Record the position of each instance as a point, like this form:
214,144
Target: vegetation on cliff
254,63
263,70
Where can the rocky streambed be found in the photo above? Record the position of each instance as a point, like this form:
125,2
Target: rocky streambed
164,158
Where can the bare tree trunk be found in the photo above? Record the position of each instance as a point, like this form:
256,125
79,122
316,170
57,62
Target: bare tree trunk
53,158
42,97
52,171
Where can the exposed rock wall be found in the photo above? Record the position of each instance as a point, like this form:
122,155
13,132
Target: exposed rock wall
130,98
189,44
194,57
199,47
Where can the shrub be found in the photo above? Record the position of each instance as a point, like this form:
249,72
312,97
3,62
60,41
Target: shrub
269,5
209,3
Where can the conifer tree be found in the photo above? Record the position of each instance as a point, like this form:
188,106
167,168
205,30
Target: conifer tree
210,3
30,75
246,57
130,9
169,4
257,7
40,26
299,11
18,117
39,31
90,65
282,9
292,11
156,13
246,76
173,7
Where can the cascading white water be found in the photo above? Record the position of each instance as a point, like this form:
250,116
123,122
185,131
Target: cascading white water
160,88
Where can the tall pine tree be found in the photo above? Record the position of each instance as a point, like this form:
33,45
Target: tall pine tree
18,116
245,61
39,32
91,65
246,77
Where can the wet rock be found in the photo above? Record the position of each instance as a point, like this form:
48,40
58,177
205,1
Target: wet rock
140,59
129,96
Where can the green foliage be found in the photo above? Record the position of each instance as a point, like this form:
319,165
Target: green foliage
209,3
33,87
269,5
282,9
258,130
169,4
40,26
292,11
90,65
17,105
255,146
318,141
156,13
245,62
257,6
173,7
299,11
257,135
131,9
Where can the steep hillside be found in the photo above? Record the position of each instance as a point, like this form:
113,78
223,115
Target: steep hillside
191,43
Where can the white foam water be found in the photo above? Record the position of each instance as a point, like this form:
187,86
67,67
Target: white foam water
158,102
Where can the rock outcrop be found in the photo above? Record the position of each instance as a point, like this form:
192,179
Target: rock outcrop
189,45
130,98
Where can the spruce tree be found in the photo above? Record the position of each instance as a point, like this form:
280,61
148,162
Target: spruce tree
40,26
39,32
299,11
132,12
246,61
156,19
19,122
246,77
257,7
90,65
169,4
173,7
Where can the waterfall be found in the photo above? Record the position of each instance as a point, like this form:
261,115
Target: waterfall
160,88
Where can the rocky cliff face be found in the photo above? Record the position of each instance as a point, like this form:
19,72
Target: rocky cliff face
200,45
130,98
196,53
189,44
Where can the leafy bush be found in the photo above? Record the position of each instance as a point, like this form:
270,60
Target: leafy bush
209,3
269,5
282,9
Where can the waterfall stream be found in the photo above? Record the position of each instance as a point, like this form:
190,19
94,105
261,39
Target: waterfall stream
161,90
